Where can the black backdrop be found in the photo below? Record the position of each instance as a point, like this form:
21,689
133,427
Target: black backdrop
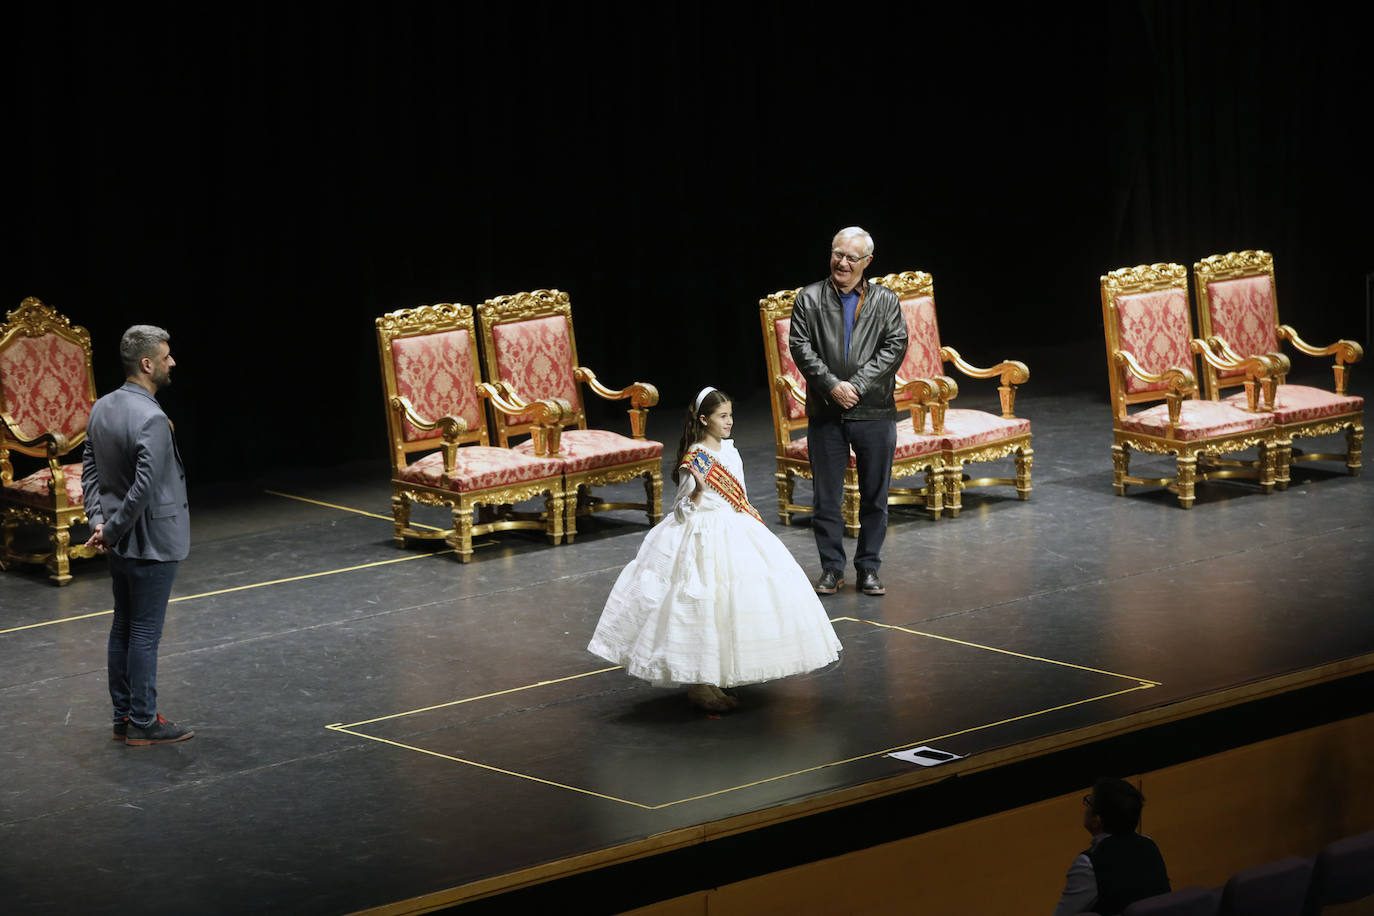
264,179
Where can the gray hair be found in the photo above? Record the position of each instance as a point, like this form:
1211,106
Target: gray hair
139,341
854,232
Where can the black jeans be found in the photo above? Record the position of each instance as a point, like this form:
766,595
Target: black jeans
828,444
141,590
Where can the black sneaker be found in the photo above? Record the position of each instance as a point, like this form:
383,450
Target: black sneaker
159,731
830,582
121,729
869,583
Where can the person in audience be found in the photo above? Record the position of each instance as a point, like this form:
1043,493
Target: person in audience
1121,866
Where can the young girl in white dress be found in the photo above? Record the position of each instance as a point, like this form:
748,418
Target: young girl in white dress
713,599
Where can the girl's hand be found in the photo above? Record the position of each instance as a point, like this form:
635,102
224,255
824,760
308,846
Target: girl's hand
700,481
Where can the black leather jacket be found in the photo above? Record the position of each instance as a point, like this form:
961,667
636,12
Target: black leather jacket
876,347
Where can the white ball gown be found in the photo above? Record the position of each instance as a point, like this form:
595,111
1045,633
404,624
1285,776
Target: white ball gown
713,597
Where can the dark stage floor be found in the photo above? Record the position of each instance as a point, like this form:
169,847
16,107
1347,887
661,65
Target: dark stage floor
376,724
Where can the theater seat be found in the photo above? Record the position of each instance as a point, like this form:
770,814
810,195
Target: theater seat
1344,873
1273,889
1190,901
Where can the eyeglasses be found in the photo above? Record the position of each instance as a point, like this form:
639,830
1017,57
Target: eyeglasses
837,254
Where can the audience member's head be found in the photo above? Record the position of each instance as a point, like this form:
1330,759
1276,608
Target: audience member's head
1115,804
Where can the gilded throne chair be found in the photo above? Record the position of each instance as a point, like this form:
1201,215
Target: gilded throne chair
1238,313
914,453
967,435
441,451
530,352
47,389
1150,358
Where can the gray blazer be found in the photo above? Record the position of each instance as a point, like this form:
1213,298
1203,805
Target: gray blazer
132,480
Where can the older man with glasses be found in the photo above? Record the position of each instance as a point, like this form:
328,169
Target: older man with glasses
848,339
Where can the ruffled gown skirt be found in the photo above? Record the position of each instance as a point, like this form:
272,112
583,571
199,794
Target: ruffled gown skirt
715,599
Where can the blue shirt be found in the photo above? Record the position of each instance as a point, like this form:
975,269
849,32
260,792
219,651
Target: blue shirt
850,301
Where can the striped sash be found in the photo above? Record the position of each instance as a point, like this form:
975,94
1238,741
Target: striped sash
720,480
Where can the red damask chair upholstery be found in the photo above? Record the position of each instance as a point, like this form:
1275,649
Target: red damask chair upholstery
530,352
914,454
434,393
1150,351
967,436
1239,316
47,388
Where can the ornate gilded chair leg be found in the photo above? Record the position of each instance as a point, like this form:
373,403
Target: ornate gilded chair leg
59,566
954,488
570,513
553,513
460,539
849,508
1283,462
400,513
653,492
10,526
935,490
1025,457
1354,444
1268,458
783,479
1121,466
1187,479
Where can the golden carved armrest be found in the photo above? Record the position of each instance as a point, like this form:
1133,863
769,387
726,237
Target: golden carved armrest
45,444
450,428
1282,364
939,386
545,411
928,395
1181,383
1345,351
1268,368
57,480
56,445
1219,355
642,396
1011,372
1176,377
784,383
547,415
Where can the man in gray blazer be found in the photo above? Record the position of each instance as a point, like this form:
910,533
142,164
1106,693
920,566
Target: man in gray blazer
135,496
